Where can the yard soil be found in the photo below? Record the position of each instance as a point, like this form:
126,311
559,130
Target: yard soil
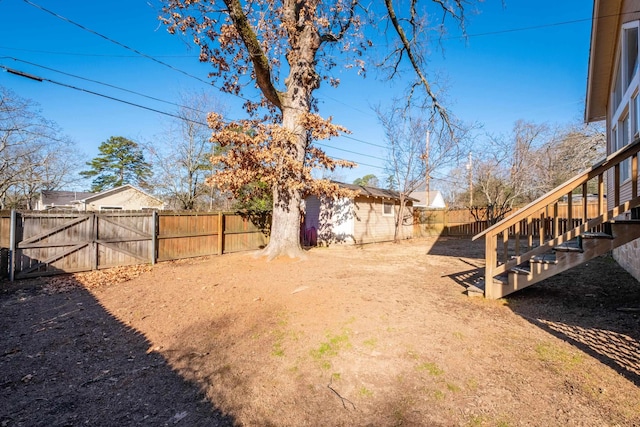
377,335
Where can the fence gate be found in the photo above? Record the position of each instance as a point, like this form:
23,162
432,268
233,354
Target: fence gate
54,243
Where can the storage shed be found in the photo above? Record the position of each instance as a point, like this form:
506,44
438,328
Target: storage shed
369,217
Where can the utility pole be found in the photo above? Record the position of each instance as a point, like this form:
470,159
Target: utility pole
426,160
470,169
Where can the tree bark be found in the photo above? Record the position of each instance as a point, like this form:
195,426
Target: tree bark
286,216
295,103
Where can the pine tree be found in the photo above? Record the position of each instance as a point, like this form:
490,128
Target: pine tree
120,162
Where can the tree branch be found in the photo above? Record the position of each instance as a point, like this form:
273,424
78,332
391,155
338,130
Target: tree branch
258,58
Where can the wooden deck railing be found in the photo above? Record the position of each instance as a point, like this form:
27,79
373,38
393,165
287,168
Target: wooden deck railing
511,241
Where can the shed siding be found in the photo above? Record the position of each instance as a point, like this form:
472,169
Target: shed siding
371,226
332,219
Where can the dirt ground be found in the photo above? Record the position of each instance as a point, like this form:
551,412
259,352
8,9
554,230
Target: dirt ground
378,335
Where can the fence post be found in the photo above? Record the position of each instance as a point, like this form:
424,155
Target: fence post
12,245
95,247
220,233
154,236
445,217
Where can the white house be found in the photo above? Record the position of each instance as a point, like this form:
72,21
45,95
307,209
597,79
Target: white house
431,199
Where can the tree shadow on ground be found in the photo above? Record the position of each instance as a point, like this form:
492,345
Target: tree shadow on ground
594,307
64,360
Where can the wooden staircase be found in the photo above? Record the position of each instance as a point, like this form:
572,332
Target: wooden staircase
535,243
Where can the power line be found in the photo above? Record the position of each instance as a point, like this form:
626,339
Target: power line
43,79
102,55
538,27
133,104
348,151
364,142
161,100
104,84
126,47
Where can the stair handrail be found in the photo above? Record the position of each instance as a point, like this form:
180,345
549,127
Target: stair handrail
602,166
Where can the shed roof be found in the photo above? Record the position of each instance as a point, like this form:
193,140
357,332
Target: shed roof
375,192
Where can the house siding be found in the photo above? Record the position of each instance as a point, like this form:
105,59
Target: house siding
628,256
129,199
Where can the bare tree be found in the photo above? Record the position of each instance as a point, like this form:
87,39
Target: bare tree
514,170
53,168
286,49
504,172
417,146
181,159
571,150
34,154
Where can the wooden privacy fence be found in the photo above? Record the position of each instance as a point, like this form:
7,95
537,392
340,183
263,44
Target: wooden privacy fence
460,222
38,243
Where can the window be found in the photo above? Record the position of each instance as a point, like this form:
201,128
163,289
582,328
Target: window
110,208
625,166
630,46
625,80
617,88
387,209
625,98
635,104
619,139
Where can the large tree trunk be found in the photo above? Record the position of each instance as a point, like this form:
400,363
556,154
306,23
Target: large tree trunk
286,219
285,226
294,104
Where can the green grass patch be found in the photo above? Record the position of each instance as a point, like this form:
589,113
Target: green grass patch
332,346
371,343
453,388
277,351
431,368
551,353
365,392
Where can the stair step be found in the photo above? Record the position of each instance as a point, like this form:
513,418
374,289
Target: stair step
570,246
625,221
501,278
520,270
545,259
476,291
596,235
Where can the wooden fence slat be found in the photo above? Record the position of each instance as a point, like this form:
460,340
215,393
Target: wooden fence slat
54,258
54,230
122,250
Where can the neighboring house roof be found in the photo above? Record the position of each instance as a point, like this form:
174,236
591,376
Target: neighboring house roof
94,196
604,32
432,199
375,192
54,198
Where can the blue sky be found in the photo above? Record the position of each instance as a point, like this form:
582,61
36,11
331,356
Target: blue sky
522,60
